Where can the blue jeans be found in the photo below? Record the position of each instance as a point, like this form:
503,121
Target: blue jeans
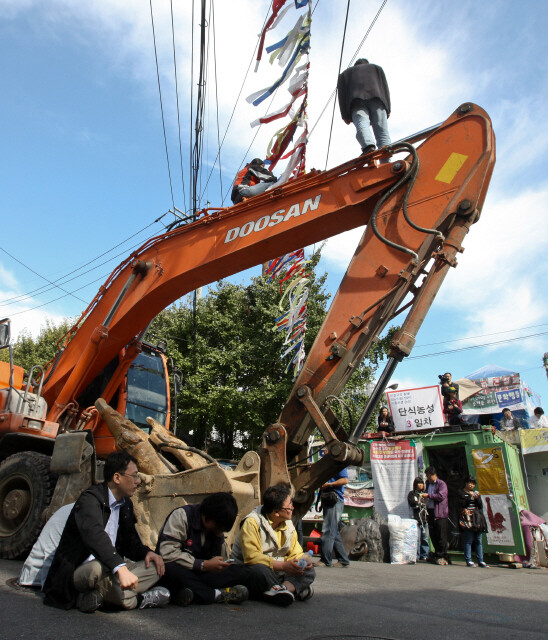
470,538
371,113
423,548
331,540
247,191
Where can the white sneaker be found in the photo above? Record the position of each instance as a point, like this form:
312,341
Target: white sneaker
279,595
155,597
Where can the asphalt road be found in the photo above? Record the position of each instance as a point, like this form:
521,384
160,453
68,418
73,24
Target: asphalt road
366,600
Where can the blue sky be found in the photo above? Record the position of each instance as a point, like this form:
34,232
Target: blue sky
84,165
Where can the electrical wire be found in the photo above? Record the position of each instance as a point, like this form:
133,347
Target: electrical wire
177,100
236,103
216,93
338,74
478,346
161,102
350,63
483,335
62,279
40,276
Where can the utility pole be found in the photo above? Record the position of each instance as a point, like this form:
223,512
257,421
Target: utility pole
545,363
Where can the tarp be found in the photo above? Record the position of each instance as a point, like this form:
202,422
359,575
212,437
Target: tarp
467,388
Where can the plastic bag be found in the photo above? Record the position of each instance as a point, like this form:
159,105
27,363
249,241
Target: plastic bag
404,536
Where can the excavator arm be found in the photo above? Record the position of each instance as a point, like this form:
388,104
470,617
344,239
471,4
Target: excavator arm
417,210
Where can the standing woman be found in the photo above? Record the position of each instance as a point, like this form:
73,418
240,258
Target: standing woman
385,421
472,521
417,502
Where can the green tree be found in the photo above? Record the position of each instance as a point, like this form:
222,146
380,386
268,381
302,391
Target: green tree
234,383
28,351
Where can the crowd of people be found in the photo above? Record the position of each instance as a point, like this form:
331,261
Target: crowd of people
91,556
453,411
430,506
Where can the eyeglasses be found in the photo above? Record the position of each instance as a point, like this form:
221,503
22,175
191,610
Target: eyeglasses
291,508
134,476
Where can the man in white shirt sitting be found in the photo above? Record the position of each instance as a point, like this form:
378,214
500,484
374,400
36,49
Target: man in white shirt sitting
90,565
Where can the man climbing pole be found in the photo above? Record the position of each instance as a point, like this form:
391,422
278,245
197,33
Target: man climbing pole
253,179
364,99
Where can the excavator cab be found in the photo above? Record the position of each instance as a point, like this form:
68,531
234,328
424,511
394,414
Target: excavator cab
28,473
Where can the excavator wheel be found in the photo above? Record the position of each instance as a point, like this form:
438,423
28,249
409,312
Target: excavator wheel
26,487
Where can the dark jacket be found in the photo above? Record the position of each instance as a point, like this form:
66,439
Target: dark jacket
389,428
475,506
84,534
418,503
210,547
362,82
452,409
249,176
440,499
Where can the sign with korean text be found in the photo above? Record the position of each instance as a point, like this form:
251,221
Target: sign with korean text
497,515
490,470
394,467
496,394
415,409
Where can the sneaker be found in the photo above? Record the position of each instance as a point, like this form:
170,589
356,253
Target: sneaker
234,595
279,595
470,564
305,594
341,565
482,564
155,597
182,597
89,601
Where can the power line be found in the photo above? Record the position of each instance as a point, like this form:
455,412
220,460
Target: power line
39,275
338,74
484,335
235,105
216,93
161,103
39,306
177,99
477,346
351,61
62,279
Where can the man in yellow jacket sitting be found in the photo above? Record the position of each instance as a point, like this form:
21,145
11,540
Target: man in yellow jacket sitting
267,543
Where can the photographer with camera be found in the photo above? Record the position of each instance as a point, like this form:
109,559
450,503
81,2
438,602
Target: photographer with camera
446,381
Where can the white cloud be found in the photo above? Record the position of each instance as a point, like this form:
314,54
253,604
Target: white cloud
500,277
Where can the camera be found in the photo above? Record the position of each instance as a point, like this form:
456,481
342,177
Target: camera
443,378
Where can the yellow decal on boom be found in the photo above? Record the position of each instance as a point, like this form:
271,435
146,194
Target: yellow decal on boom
451,168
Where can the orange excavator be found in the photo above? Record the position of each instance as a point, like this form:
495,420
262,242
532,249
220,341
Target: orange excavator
418,202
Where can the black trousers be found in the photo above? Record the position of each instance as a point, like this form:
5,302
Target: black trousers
203,585
439,534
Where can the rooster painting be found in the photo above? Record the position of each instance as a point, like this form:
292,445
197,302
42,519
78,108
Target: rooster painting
495,519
